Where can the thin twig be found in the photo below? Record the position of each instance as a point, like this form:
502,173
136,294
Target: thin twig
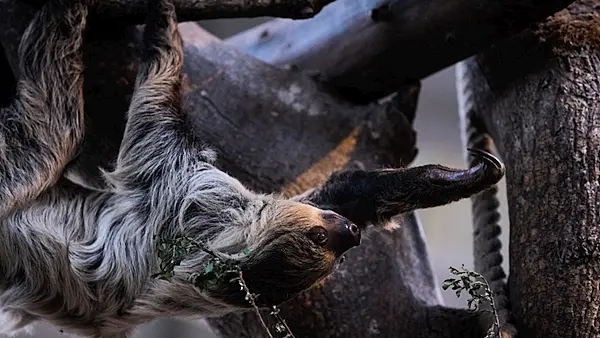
224,258
282,322
250,298
496,327
219,264
473,282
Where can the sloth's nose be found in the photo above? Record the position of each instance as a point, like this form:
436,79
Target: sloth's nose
342,233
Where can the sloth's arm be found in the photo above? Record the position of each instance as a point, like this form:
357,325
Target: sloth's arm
42,128
373,197
156,142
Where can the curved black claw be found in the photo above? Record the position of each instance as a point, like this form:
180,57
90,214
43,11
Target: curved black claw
487,172
488,158
367,197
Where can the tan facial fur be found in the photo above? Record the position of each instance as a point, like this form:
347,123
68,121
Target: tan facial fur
287,254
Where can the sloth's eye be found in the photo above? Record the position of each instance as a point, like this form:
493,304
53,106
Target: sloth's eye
318,235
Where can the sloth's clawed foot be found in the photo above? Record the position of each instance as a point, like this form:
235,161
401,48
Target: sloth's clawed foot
487,172
373,197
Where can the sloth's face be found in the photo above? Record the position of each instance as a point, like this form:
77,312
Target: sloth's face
298,246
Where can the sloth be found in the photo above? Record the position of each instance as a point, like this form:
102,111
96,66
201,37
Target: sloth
86,261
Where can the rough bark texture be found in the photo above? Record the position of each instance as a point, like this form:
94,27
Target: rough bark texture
134,11
373,47
539,96
264,126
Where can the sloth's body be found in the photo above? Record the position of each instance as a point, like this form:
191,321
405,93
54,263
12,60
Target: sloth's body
88,259
85,260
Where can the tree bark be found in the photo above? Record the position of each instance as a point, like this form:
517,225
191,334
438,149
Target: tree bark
371,48
539,95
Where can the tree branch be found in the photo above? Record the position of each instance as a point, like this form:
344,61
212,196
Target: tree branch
407,40
368,49
539,95
134,11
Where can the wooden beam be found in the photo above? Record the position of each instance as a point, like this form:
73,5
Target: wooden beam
367,49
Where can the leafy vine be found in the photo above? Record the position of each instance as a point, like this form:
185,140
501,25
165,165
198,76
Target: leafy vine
171,251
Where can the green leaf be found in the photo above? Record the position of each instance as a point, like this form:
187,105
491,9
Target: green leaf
473,304
447,283
208,268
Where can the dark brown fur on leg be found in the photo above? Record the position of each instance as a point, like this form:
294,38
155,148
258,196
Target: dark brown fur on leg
42,128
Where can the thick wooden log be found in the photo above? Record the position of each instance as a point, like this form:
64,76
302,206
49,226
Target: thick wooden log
367,49
132,12
539,96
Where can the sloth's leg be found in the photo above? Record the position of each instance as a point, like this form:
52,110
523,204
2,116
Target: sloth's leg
40,131
373,197
156,142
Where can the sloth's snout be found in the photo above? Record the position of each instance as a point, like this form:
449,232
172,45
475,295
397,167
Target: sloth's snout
342,234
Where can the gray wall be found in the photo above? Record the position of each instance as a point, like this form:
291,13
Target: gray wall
447,228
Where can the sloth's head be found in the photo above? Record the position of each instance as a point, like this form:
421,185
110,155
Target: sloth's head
292,246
